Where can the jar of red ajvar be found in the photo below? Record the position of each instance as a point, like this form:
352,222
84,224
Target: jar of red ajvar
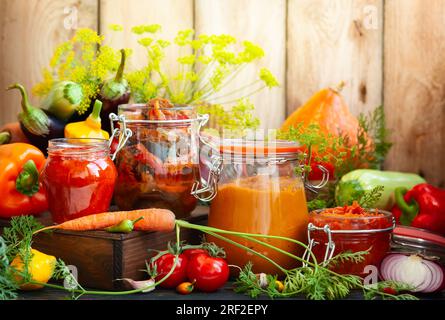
79,178
350,229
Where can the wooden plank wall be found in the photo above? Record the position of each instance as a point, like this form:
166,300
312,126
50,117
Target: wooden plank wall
415,86
387,51
30,30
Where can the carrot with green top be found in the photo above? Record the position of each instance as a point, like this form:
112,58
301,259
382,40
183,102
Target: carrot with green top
144,220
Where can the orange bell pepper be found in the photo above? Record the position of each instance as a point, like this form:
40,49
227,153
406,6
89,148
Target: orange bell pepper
21,191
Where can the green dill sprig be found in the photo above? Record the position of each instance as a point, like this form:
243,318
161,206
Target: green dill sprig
374,125
370,198
8,286
373,291
320,283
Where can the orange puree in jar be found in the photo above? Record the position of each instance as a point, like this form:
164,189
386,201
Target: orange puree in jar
264,205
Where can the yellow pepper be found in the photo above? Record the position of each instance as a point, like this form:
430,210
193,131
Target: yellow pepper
90,128
41,268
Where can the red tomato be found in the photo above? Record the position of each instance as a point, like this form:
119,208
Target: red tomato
191,252
209,273
164,265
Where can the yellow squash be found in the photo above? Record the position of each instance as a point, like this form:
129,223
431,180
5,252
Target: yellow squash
90,128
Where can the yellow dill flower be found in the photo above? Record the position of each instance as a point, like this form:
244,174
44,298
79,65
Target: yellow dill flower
146,28
183,37
146,42
191,76
41,89
251,52
115,27
59,52
268,78
87,36
107,60
204,59
163,43
188,59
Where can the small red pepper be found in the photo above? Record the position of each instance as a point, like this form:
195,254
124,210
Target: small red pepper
421,207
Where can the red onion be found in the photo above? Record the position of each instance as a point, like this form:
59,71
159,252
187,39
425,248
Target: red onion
423,275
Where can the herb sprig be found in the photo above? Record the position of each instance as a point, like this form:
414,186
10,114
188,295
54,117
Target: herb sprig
319,283
8,286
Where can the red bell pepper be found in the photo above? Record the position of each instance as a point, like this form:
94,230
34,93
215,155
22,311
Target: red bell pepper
421,207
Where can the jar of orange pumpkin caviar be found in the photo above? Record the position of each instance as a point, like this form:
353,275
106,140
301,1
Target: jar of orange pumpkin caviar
255,187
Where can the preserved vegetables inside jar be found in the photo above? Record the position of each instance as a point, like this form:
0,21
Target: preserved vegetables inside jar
353,229
261,195
159,164
79,178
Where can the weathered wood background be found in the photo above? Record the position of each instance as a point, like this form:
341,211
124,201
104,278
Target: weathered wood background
389,52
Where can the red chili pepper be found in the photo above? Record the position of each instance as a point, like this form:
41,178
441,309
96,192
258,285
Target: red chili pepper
421,207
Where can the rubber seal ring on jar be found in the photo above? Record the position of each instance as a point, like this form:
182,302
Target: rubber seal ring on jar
123,138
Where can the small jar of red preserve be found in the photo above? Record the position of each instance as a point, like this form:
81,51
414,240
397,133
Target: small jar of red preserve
79,177
350,229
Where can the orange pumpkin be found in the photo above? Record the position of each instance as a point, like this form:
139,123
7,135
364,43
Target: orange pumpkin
329,111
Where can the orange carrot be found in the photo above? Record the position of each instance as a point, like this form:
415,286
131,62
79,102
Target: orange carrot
153,220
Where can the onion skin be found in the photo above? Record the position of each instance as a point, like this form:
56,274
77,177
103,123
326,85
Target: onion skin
392,260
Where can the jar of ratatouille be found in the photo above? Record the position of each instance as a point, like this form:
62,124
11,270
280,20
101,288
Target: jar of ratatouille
159,163
79,178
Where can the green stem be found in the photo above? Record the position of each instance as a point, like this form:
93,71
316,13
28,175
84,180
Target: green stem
5,137
120,71
315,264
26,105
409,211
247,249
27,181
244,97
95,114
228,94
110,293
137,220
207,229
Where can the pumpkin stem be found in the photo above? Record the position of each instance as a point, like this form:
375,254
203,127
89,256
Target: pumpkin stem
340,86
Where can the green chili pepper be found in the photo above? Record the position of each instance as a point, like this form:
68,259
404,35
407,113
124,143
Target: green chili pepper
125,226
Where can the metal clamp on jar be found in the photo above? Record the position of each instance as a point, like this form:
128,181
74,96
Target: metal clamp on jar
158,157
332,234
255,187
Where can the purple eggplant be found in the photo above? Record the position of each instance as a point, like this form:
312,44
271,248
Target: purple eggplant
113,93
37,125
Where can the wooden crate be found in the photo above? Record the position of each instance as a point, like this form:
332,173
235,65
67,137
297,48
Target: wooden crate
101,257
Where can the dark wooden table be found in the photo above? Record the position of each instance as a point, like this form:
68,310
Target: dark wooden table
225,293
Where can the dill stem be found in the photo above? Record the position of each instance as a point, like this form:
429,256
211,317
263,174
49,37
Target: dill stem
228,94
247,249
109,293
186,224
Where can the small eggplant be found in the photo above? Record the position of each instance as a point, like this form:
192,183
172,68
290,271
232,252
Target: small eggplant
63,99
37,125
113,93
